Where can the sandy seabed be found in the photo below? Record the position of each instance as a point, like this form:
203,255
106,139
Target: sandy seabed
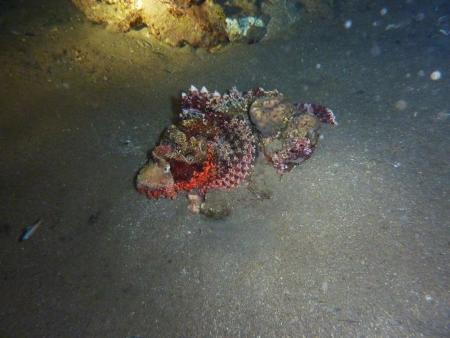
355,242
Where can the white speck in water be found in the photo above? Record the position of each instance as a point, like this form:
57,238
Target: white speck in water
325,287
415,114
348,24
401,105
421,73
318,66
428,298
383,11
436,75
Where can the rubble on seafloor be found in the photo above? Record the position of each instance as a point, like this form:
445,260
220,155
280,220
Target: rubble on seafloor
248,28
207,23
214,143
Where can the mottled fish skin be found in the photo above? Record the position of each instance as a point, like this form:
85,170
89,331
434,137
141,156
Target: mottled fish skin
213,145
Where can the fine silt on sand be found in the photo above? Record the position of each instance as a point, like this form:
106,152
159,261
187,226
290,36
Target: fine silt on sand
354,242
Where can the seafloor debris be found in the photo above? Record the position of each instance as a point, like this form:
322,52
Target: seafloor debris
28,231
248,28
214,143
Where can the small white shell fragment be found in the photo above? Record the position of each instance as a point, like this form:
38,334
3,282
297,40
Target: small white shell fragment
193,89
204,90
183,94
216,94
436,75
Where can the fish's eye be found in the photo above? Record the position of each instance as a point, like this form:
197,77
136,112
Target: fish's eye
166,168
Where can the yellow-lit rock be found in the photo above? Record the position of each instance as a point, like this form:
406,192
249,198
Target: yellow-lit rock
173,21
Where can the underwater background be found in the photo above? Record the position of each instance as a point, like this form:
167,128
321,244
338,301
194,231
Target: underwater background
353,242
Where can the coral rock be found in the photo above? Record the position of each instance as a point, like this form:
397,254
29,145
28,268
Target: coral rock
172,21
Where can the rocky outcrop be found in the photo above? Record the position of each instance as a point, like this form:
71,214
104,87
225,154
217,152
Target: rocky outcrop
204,23
175,22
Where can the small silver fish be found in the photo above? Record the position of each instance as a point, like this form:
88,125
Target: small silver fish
29,230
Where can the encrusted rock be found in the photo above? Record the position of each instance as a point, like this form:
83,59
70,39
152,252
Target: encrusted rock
248,29
200,24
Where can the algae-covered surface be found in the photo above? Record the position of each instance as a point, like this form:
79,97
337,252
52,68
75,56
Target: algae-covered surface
354,242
